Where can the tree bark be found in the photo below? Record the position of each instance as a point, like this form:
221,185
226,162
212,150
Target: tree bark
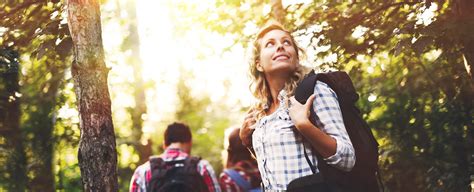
97,152
278,13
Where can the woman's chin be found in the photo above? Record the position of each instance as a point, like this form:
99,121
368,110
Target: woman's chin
283,64
282,70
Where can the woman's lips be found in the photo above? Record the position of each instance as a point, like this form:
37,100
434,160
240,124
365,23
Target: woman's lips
281,57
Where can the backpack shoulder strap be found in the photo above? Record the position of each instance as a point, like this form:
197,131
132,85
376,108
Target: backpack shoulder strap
305,87
155,160
191,163
194,160
338,81
191,166
157,167
156,164
304,90
239,180
341,84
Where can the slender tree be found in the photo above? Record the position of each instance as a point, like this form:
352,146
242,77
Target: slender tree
13,152
97,153
132,43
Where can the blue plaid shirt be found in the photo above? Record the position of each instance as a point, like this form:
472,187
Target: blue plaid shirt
279,146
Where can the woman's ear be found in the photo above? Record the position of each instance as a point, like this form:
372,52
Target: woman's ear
259,67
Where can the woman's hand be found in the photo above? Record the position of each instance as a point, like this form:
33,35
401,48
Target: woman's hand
247,128
299,113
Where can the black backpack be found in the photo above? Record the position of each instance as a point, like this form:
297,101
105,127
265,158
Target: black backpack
363,177
169,176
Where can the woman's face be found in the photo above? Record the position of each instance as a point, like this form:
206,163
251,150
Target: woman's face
277,53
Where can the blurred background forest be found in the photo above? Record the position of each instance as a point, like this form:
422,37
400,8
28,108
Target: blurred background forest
411,62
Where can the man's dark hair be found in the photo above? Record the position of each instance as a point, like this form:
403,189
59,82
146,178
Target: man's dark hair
236,150
177,132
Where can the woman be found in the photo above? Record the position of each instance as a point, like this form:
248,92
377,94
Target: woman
241,173
278,126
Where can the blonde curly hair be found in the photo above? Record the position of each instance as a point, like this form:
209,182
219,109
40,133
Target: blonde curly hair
259,86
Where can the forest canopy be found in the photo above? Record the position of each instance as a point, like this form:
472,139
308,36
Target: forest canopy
166,61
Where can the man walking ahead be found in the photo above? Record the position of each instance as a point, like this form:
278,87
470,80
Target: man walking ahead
175,169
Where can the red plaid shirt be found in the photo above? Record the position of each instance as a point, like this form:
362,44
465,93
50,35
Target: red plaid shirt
142,174
248,170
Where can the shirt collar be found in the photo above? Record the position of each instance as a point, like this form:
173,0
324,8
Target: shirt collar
282,95
174,152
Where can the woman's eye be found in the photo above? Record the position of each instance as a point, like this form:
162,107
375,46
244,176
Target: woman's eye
287,42
269,44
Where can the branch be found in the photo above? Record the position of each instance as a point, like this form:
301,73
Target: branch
383,8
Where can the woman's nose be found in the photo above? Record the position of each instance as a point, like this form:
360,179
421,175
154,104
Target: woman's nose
280,47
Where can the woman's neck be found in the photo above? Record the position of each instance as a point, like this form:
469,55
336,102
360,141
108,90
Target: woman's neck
276,85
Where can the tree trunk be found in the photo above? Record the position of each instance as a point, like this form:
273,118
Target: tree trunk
10,132
278,13
97,153
144,150
42,148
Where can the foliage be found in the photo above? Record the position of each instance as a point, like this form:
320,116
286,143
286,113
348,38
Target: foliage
35,30
418,76
407,58
13,176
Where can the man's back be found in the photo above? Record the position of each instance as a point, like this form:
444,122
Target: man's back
174,158
175,176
